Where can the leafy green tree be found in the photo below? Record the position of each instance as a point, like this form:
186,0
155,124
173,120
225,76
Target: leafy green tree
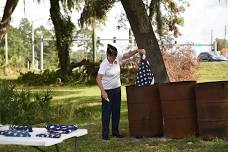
63,32
221,43
63,28
17,51
25,35
84,41
19,46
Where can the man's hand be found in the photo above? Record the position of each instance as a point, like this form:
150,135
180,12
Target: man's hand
141,51
104,95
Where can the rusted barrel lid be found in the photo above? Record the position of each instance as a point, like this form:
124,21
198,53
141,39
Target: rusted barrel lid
136,94
214,91
176,91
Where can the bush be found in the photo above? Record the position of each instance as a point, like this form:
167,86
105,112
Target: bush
23,107
181,65
45,78
84,74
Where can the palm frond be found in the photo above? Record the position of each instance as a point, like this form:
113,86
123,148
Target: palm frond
94,9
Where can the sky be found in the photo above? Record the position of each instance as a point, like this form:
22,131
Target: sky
202,18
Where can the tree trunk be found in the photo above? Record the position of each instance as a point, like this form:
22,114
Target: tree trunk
8,11
145,37
63,34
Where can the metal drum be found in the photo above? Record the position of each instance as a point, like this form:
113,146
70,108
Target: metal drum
178,109
144,111
212,109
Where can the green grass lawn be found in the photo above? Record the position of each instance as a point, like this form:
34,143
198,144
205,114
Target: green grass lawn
81,105
213,71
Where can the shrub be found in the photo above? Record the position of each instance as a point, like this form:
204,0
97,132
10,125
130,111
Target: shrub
23,107
32,78
181,65
84,74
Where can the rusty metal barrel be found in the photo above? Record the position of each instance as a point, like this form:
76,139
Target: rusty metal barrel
178,109
212,109
144,111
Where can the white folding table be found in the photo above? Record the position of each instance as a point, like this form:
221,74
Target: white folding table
37,142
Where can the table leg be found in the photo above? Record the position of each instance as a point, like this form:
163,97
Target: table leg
75,144
57,147
39,149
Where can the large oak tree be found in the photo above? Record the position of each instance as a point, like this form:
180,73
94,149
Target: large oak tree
136,13
145,36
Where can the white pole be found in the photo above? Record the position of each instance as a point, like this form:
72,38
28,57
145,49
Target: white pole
212,40
33,52
215,46
6,48
225,38
41,52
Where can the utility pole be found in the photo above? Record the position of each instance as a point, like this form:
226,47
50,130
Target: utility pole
41,51
212,39
6,48
216,46
33,52
225,37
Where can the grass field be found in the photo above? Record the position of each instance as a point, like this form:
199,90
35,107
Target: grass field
82,106
213,71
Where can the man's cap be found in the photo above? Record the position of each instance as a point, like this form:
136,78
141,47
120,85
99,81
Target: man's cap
111,50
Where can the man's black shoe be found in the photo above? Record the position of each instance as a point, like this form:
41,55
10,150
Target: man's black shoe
105,138
118,135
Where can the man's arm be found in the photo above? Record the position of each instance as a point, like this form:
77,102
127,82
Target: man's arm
132,53
99,83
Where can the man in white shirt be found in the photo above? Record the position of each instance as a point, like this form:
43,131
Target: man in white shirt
108,80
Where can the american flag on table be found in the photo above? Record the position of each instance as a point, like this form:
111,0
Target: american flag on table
144,75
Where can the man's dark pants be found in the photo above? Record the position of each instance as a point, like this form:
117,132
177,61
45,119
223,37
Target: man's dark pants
111,107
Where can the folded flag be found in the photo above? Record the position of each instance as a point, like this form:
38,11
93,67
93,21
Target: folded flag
16,133
2,132
64,129
19,127
49,135
144,75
